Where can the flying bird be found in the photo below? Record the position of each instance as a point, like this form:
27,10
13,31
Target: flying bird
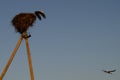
109,72
23,21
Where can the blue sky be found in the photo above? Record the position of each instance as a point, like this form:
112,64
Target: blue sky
77,40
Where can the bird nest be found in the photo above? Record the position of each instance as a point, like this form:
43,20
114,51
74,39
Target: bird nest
23,21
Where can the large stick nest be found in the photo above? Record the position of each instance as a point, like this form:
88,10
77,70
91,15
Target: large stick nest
23,21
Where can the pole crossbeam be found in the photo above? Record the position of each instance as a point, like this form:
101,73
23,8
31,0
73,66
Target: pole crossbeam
13,55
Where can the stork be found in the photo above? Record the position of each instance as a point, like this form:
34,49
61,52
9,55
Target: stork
109,71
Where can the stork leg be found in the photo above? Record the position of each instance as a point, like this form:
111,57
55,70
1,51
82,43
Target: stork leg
11,58
29,59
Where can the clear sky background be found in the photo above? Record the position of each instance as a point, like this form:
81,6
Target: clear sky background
77,40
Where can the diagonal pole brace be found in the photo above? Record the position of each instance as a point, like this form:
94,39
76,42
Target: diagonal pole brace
25,36
29,59
11,58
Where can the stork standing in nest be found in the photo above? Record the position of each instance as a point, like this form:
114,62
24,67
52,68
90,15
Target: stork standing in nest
21,23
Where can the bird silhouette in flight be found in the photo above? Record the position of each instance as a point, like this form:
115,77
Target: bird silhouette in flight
109,72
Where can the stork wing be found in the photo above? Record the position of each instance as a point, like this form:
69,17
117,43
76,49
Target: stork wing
42,14
39,14
112,71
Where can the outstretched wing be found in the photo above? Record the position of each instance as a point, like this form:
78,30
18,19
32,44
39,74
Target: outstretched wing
112,71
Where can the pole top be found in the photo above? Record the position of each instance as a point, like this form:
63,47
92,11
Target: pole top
25,35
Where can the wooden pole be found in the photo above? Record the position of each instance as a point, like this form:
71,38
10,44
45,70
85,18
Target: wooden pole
0,78
11,58
29,59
